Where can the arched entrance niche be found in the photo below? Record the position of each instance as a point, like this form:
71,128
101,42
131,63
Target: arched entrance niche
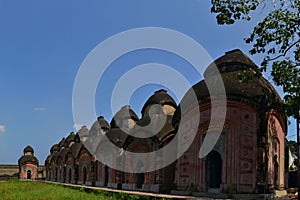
70,175
140,177
84,176
28,174
106,175
214,171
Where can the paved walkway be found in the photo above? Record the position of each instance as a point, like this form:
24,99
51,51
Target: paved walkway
128,192
198,196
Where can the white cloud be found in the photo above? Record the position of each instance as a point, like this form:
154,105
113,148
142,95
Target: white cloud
39,109
2,128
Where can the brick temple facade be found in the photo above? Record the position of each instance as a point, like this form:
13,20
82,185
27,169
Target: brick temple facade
249,156
28,165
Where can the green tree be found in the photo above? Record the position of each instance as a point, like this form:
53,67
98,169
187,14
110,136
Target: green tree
293,146
277,36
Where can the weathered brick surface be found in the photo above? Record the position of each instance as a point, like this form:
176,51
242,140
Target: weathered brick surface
8,169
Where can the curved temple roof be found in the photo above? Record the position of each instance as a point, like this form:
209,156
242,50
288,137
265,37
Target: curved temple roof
159,97
258,91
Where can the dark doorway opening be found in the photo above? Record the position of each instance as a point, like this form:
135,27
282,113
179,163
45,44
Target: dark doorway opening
140,180
64,174
94,172
56,174
84,175
28,174
70,176
276,167
106,174
214,167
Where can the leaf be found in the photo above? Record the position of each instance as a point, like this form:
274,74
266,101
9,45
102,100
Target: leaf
276,37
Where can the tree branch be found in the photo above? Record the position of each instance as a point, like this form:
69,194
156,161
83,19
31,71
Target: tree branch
285,52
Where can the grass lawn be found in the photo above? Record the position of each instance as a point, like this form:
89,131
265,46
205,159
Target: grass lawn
15,190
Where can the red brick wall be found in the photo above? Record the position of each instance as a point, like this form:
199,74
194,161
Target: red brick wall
238,158
28,166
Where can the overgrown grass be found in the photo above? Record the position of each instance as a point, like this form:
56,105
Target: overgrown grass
16,190
23,190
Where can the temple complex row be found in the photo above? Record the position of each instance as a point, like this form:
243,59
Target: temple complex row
249,155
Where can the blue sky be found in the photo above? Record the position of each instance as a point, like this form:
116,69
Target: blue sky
43,43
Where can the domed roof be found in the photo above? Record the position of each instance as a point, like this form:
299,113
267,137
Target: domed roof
47,161
99,126
62,143
54,157
62,153
103,123
257,91
28,158
125,113
83,131
157,127
117,136
234,60
54,148
77,138
159,97
28,149
70,138
75,149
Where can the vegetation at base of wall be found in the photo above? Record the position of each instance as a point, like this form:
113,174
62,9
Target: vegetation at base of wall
23,190
4,177
191,188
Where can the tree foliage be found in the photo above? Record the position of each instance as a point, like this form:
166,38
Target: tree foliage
277,36
293,146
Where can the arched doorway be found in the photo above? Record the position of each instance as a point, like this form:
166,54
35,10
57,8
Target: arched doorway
64,174
106,174
140,178
28,174
93,172
70,175
56,174
49,175
276,167
214,169
59,174
84,176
